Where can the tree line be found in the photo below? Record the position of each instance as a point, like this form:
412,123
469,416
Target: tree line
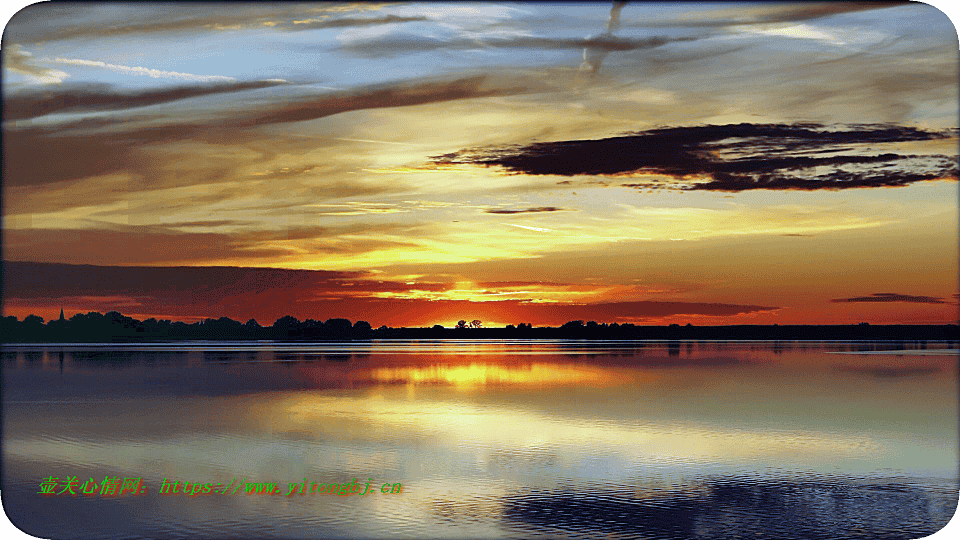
116,327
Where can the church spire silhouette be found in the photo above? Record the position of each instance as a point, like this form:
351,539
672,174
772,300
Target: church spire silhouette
61,314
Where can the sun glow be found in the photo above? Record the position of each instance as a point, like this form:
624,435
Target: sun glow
474,375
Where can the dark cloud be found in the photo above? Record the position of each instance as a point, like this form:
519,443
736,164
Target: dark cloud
168,244
391,46
517,283
763,15
76,99
891,297
31,280
527,210
179,292
269,293
734,157
649,309
887,372
41,280
144,245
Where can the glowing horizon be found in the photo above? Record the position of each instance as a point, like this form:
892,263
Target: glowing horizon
418,164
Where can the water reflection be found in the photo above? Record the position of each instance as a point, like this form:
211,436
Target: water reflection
503,439
473,375
891,371
732,507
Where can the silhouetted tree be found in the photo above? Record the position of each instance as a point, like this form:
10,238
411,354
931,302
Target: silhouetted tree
362,329
476,324
222,328
311,329
339,328
114,326
286,327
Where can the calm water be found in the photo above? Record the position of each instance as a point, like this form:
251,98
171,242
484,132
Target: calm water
488,440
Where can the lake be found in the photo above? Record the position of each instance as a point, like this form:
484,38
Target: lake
499,439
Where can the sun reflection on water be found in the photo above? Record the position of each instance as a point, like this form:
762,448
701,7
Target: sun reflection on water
476,375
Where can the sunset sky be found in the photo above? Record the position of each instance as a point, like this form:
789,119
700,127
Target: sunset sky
417,164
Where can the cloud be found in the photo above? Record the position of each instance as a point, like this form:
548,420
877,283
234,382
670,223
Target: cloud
34,103
891,297
593,55
762,15
395,94
347,22
176,243
888,81
392,46
269,293
35,154
20,61
646,309
527,210
43,22
538,229
736,157
28,280
116,244
138,70
44,154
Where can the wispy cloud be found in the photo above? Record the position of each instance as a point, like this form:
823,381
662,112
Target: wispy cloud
20,61
535,210
529,228
594,55
347,22
104,146
33,103
141,71
44,24
396,94
394,45
762,14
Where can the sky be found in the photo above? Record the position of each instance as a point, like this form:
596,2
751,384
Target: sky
420,163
